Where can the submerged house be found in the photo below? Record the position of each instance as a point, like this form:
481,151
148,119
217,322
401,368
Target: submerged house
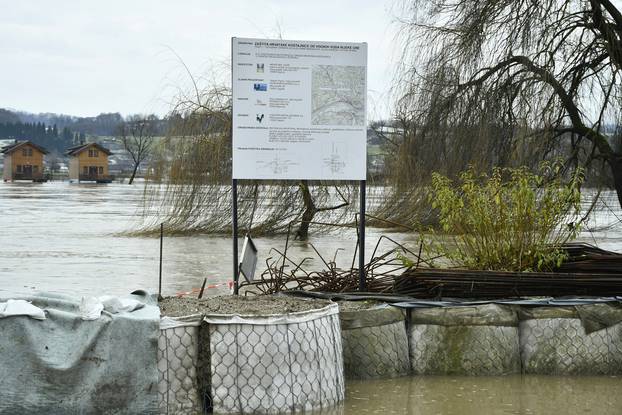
89,162
23,160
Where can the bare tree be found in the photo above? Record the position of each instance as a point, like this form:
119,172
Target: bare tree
137,134
310,205
510,71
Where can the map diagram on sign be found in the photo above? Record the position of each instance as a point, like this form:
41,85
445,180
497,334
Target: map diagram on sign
338,95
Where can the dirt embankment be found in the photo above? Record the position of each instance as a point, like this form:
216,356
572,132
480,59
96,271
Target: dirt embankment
357,305
231,304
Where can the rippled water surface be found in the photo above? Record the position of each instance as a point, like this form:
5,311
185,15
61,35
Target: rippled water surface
65,237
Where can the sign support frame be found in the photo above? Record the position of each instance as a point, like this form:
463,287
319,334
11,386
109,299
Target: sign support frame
361,235
361,241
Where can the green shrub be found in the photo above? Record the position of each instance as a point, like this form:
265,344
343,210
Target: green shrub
512,220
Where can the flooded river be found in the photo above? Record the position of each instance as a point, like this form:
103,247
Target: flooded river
64,237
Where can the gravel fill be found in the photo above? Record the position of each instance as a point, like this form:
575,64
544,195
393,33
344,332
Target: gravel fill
357,305
231,304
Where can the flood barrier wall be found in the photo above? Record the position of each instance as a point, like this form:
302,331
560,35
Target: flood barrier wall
480,340
295,362
375,344
500,339
254,364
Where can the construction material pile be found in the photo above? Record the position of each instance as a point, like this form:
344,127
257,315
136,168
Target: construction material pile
588,271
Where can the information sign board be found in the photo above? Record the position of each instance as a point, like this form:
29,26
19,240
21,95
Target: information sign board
299,109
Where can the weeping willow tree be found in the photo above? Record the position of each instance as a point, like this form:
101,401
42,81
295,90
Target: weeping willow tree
507,83
189,187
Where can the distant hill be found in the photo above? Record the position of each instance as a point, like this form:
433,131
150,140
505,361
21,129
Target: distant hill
7,116
102,124
57,132
105,124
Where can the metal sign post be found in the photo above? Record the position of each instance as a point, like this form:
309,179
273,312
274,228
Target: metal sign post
236,267
362,282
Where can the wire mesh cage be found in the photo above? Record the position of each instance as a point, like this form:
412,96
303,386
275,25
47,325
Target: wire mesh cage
183,367
375,343
478,341
230,364
276,364
562,346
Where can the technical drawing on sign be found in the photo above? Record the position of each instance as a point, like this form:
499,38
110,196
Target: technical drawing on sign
338,95
333,161
276,166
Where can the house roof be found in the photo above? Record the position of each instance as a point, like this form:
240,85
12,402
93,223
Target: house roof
15,146
74,151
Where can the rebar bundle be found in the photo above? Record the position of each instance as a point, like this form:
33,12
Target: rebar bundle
282,273
458,283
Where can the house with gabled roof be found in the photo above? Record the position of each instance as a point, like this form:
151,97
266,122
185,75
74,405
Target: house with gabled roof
23,160
89,162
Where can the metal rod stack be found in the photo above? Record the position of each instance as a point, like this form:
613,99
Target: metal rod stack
437,283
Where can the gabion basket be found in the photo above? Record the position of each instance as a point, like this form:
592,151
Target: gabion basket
375,343
182,366
479,341
278,363
554,341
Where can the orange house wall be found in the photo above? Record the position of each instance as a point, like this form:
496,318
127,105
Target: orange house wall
17,158
82,160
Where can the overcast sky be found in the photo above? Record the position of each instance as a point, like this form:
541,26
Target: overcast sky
87,57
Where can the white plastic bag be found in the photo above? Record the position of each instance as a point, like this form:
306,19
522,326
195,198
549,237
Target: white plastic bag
21,308
116,305
90,308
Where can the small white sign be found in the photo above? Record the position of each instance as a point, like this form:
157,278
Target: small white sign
299,109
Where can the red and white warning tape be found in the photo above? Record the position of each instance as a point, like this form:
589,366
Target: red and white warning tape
196,291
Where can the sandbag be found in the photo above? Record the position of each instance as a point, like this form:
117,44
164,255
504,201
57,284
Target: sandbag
65,364
278,363
476,340
375,344
568,341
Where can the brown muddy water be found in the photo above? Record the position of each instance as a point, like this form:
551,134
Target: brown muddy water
446,395
63,237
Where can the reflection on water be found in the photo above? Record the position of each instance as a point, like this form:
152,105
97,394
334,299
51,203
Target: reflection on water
62,237
444,395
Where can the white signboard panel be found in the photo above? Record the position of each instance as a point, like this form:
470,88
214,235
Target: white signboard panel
299,109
